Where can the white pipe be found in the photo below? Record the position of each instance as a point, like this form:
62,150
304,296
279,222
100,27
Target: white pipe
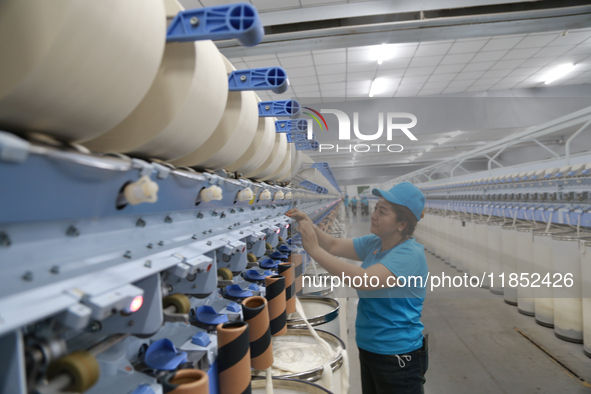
572,137
548,149
534,132
453,169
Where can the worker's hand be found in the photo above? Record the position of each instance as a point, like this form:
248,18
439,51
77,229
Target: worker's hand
298,215
309,238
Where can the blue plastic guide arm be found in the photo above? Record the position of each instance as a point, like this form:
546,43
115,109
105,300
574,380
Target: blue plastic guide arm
299,137
314,187
269,78
285,108
312,145
224,22
291,126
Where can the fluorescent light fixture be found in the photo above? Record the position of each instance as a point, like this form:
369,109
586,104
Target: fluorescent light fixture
381,53
373,87
429,149
558,72
440,141
420,154
378,86
455,133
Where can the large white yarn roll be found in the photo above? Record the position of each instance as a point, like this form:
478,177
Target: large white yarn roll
296,162
259,149
274,159
284,167
233,135
307,159
74,69
180,111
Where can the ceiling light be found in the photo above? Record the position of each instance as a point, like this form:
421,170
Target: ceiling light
381,53
420,154
373,87
429,149
376,87
558,72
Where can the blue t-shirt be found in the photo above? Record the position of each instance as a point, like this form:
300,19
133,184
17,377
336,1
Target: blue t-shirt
346,201
365,201
354,201
389,319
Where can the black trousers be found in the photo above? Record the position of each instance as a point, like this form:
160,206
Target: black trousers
386,374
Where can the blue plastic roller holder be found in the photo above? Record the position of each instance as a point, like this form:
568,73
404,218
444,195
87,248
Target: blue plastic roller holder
254,275
234,307
269,78
312,145
278,256
279,108
291,126
284,249
224,22
269,263
201,339
254,287
237,292
299,137
206,314
162,355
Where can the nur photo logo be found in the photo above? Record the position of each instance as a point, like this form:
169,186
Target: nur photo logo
396,123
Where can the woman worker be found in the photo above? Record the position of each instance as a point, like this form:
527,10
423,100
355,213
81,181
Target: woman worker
392,351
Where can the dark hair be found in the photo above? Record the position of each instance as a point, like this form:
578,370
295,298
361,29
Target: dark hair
405,215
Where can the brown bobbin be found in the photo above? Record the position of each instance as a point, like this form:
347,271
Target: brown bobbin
286,270
275,293
256,314
188,381
233,357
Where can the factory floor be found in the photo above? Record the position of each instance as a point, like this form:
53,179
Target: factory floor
480,344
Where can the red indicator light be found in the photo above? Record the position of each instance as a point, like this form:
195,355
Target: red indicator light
243,249
287,226
209,267
136,304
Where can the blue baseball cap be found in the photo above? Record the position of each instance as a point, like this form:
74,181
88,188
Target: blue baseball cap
405,194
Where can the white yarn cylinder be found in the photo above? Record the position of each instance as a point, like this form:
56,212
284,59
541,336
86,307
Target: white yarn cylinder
74,69
258,150
274,159
180,111
232,136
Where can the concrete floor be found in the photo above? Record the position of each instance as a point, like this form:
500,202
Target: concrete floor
475,345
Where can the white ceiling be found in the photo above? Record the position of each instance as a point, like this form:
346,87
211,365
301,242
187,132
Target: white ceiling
431,68
468,66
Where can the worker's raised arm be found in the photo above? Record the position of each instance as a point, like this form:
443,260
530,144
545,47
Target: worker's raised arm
340,247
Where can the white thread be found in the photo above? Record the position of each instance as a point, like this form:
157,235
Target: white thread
549,222
269,385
